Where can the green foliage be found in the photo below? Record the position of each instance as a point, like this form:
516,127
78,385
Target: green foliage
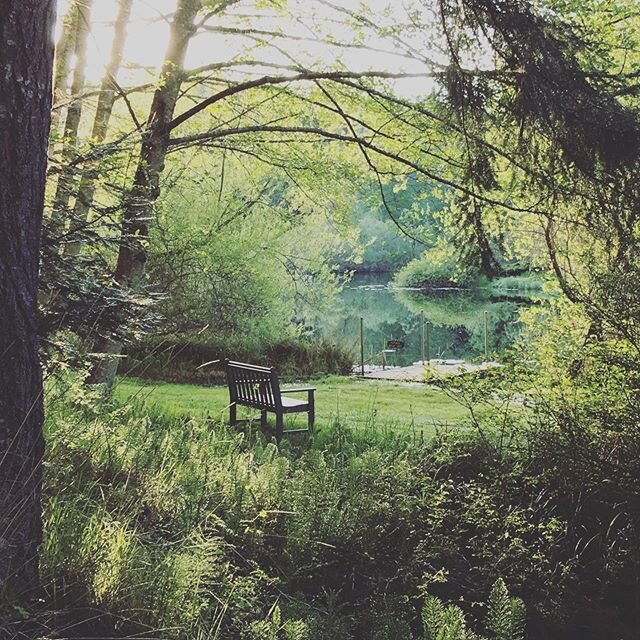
383,244
273,628
439,267
179,358
436,267
228,257
444,623
343,534
513,285
379,248
505,618
506,615
187,525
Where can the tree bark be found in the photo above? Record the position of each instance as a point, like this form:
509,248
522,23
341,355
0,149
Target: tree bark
106,100
489,264
64,48
64,187
26,60
139,202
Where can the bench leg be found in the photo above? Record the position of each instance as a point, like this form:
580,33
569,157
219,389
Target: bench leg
232,414
263,418
279,426
311,418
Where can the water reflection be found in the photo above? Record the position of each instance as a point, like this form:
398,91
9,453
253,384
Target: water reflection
457,318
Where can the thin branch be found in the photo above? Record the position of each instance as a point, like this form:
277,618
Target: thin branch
216,134
371,164
274,80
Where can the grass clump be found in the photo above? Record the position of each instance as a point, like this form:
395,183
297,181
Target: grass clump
526,284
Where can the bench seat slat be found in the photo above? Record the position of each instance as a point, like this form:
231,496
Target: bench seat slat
293,402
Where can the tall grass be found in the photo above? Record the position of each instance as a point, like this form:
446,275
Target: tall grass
178,528
182,527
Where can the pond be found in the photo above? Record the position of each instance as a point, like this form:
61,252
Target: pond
391,313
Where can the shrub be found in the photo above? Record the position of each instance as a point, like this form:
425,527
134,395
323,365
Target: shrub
179,359
436,267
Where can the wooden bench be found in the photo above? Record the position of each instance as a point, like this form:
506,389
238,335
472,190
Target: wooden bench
258,388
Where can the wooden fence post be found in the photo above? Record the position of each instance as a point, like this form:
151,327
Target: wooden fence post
362,346
486,336
422,336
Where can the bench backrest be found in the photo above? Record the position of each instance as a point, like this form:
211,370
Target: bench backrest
253,386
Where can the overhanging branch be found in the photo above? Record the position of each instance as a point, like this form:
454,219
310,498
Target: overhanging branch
187,141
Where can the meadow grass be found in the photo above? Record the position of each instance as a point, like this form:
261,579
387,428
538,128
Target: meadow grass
359,403
172,525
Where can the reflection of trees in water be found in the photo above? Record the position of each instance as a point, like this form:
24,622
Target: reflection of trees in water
461,314
457,318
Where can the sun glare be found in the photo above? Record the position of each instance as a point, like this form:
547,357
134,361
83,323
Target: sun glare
302,38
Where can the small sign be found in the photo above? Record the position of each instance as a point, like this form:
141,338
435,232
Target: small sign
395,344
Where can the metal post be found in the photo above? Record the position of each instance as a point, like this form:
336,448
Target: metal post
422,336
486,335
362,346
429,342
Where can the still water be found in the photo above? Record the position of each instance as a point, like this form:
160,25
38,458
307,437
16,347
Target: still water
390,313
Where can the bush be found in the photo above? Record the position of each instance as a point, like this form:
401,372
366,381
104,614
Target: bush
179,359
435,268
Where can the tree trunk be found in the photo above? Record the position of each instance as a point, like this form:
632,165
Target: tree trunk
64,47
489,264
72,123
26,60
106,100
139,202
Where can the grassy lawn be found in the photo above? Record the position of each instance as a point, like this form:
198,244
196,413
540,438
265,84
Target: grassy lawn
358,403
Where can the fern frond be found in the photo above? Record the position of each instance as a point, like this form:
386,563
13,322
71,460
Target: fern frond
432,615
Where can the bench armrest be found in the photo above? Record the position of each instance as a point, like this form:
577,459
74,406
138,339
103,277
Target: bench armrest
300,390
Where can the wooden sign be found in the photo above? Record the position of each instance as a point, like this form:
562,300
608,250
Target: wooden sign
395,344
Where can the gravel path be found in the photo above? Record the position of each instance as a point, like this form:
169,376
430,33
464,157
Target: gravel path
416,371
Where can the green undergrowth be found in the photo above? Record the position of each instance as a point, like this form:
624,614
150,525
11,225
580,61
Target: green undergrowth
165,523
177,527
